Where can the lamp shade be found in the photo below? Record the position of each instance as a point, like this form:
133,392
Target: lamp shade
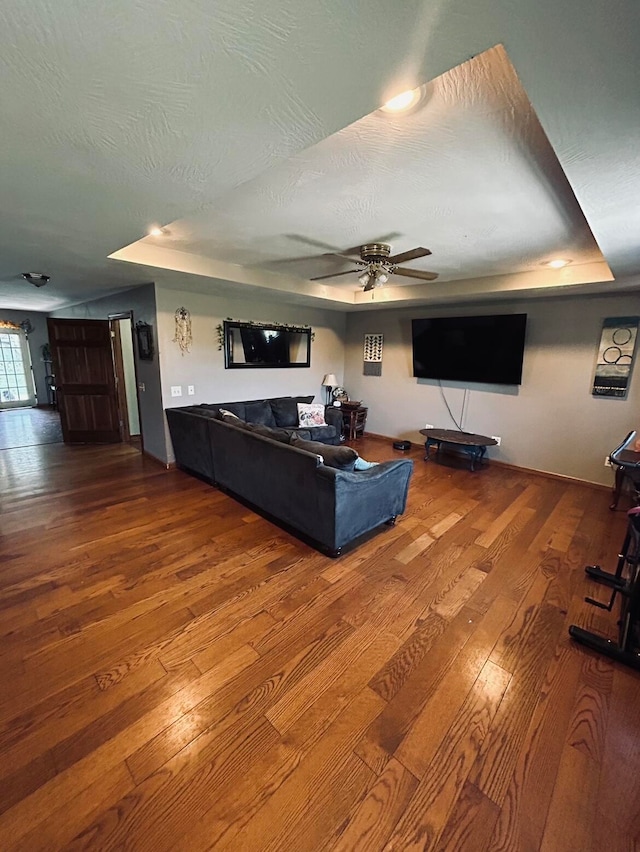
330,381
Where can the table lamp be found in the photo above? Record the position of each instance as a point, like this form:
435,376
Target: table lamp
329,382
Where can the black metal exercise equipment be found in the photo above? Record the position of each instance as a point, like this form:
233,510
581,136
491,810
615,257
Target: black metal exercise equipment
625,583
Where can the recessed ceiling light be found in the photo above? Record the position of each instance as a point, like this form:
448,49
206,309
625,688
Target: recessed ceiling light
156,231
558,263
402,102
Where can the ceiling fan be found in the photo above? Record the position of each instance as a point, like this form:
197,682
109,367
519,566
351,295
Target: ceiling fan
378,264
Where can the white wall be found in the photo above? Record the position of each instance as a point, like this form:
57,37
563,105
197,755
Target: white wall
550,423
204,367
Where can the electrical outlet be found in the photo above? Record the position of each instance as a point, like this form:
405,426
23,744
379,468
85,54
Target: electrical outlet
191,390
142,387
497,439
607,461
176,390
428,425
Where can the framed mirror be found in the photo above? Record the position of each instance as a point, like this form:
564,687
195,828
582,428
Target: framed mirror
144,338
249,345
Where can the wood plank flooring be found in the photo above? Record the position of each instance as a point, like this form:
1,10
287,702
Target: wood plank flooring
178,673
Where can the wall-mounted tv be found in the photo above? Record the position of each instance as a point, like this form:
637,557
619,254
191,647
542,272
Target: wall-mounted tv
485,349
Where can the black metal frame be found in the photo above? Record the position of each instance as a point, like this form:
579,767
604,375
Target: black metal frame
230,325
144,338
627,649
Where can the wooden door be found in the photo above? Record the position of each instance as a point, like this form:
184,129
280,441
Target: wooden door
85,380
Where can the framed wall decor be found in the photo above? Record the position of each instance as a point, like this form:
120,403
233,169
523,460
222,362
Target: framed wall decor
252,344
615,356
144,338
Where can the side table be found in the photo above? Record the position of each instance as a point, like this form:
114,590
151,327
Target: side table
354,421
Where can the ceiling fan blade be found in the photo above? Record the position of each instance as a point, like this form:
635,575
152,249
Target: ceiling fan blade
343,256
299,238
413,254
370,285
416,273
333,275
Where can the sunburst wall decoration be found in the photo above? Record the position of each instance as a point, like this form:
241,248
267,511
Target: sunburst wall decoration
183,330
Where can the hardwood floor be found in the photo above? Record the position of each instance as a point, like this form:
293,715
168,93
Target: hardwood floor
178,673
28,427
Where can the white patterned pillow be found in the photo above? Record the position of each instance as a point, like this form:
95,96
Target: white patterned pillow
311,414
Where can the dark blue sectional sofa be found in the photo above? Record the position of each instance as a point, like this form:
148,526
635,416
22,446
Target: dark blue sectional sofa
327,507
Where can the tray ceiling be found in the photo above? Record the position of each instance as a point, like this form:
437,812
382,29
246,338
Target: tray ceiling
211,117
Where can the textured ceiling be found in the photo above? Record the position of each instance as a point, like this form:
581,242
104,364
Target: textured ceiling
122,113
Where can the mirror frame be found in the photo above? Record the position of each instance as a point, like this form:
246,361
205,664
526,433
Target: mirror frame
230,325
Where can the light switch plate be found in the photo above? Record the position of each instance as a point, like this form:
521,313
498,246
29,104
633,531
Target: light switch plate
191,390
176,390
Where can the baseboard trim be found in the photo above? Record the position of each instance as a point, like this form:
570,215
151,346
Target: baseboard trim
597,486
164,464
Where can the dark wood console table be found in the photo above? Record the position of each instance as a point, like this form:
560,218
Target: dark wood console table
474,445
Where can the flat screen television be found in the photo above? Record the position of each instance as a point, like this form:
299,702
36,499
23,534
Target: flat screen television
485,349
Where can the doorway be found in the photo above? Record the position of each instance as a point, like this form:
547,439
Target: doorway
121,327
95,379
16,376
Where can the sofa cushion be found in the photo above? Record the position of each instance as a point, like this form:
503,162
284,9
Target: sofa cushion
342,458
311,414
326,434
281,435
285,409
259,412
202,412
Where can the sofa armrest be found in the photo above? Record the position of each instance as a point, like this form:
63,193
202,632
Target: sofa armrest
333,417
365,499
379,472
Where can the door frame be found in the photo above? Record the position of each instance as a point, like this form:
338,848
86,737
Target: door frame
118,366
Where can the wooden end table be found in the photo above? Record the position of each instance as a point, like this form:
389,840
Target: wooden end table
473,445
354,420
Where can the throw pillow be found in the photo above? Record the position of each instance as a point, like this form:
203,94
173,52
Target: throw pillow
259,412
342,458
311,414
285,409
361,464
228,416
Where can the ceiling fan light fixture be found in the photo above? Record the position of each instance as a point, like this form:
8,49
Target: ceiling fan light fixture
381,277
38,279
402,102
364,278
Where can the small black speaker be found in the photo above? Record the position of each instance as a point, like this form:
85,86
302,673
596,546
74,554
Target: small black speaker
402,445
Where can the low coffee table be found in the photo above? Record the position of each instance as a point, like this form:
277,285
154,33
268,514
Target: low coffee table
474,445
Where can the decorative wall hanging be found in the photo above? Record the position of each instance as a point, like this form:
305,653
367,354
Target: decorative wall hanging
615,356
183,330
144,337
9,324
373,354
